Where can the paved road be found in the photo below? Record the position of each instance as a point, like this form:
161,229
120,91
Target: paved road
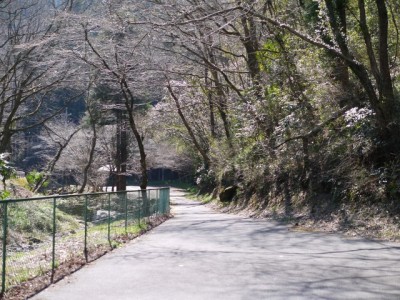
201,254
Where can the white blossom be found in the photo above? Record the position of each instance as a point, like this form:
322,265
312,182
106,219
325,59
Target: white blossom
356,115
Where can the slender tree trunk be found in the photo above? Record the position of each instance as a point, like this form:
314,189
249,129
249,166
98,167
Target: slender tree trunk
368,40
250,43
91,157
221,101
385,85
142,152
208,91
342,74
128,96
122,154
386,91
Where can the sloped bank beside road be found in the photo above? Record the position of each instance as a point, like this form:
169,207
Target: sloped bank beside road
323,213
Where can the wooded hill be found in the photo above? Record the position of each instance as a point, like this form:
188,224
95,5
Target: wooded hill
292,104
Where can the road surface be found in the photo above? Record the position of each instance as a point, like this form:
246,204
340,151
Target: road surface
202,254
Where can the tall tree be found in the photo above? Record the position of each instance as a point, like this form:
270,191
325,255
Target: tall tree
119,53
29,70
382,99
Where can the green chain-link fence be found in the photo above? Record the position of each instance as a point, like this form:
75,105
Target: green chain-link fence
39,235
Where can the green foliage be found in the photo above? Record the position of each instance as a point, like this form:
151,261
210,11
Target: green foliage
34,177
4,195
6,171
36,218
268,55
311,9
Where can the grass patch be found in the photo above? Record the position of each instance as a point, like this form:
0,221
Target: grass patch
20,181
31,223
193,194
206,198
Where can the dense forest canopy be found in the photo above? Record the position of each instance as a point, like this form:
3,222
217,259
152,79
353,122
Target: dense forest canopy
273,99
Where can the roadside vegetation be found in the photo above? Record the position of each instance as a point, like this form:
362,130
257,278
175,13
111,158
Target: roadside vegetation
111,222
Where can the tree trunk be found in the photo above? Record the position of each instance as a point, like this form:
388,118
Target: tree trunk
221,100
91,158
386,91
208,91
139,139
250,43
128,96
341,70
385,85
122,154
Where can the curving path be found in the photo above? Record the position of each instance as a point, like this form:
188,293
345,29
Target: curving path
201,254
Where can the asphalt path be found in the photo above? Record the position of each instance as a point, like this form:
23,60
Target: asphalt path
202,254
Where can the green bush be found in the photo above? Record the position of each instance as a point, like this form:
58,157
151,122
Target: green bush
34,178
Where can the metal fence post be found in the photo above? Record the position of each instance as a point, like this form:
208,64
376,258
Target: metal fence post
53,250
158,202
140,201
164,201
126,212
85,250
161,202
5,225
139,208
148,206
109,220
168,200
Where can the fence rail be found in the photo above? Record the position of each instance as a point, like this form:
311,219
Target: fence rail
38,235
